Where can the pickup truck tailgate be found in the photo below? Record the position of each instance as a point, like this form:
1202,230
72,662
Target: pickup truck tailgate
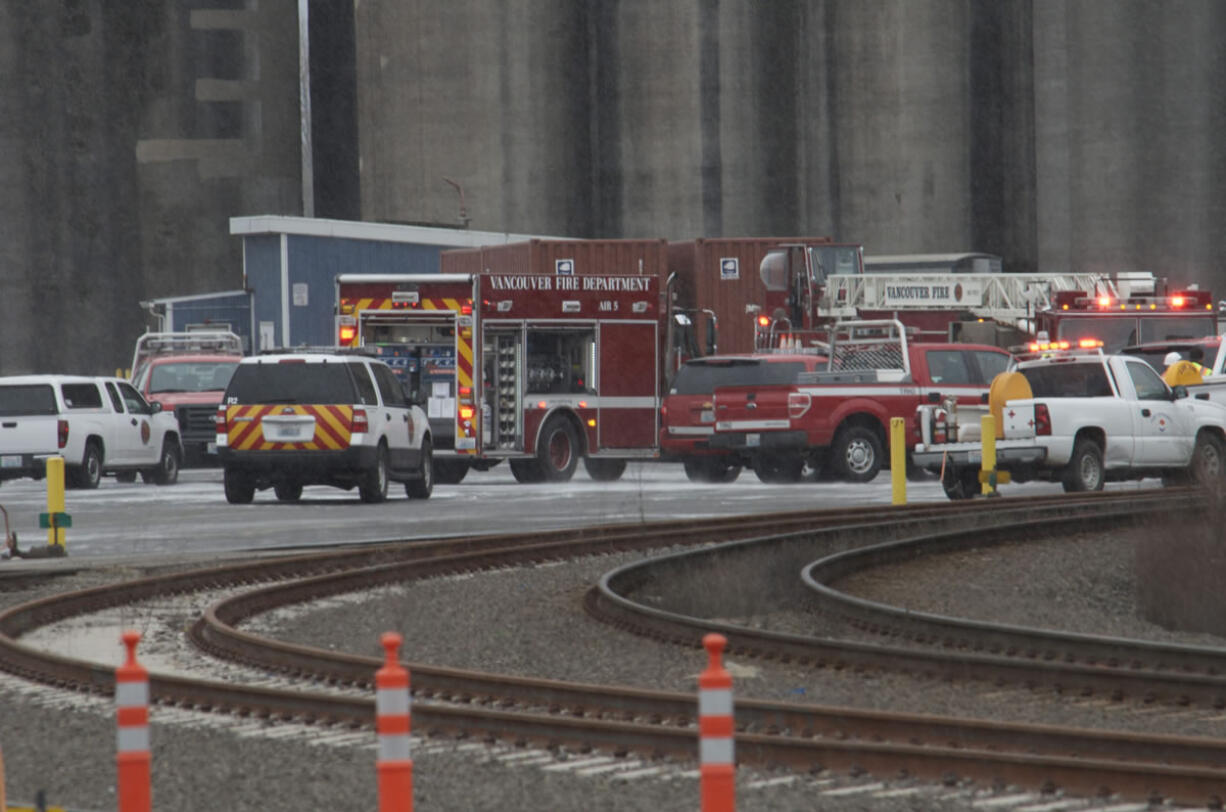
751,408
1018,419
29,423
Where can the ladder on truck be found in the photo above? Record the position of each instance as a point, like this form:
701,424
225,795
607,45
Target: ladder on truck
1011,298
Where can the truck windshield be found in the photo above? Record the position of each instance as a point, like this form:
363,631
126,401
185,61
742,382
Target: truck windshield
701,377
194,376
1116,332
22,400
1068,380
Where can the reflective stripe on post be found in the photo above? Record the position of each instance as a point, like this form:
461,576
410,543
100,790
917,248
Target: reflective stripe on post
392,705
133,759
716,756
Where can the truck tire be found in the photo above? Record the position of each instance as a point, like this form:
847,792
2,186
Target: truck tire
372,487
604,470
711,469
558,452
423,486
857,453
961,483
288,491
450,472
88,474
1085,467
1208,467
169,463
527,471
778,469
239,486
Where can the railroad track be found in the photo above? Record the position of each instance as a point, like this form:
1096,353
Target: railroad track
473,704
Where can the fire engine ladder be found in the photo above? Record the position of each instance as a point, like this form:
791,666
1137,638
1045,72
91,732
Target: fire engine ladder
1005,297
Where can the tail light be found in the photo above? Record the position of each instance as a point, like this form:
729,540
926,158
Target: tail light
798,404
61,432
1042,419
359,424
664,410
219,420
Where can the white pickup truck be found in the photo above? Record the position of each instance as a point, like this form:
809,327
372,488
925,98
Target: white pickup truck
1080,417
98,425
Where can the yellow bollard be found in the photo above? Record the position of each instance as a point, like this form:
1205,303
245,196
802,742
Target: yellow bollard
898,460
3,805
987,426
55,502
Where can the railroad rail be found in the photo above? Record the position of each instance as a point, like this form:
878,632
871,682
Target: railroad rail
468,703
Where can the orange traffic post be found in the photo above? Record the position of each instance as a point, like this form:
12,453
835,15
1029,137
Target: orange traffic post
717,762
132,741
395,765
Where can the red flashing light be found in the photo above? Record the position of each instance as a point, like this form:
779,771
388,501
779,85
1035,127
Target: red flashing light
347,334
466,309
466,412
1089,343
764,321
1177,301
466,391
540,404
1104,301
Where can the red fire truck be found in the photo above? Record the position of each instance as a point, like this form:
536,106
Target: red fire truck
805,295
540,370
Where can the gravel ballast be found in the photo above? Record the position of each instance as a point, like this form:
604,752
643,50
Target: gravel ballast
531,622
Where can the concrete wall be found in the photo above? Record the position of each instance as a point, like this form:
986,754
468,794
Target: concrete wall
1061,135
131,133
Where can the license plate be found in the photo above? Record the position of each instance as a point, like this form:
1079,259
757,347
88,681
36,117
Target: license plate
10,461
753,440
288,433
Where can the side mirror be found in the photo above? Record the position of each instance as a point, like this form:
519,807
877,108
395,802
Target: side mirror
1178,392
155,407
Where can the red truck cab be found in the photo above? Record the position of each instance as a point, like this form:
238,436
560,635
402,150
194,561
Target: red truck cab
687,416
837,418
187,373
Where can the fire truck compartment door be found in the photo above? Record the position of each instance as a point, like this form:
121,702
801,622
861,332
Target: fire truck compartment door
628,412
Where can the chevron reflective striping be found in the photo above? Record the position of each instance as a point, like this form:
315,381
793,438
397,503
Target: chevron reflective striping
332,427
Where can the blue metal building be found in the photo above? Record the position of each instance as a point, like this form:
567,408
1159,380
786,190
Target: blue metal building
290,265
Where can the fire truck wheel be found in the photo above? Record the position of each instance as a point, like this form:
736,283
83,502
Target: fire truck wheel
778,468
169,463
239,486
558,452
1085,467
711,470
89,473
423,486
604,470
527,471
288,491
450,472
961,484
857,453
372,487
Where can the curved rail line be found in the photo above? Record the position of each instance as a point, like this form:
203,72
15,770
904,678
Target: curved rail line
554,713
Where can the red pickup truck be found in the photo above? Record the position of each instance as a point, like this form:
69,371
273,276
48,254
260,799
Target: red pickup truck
687,416
837,418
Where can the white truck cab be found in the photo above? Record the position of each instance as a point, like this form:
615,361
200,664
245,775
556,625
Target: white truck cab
99,425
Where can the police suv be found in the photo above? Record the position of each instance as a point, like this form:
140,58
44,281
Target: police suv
315,418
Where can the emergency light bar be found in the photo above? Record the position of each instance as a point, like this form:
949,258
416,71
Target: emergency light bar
1068,300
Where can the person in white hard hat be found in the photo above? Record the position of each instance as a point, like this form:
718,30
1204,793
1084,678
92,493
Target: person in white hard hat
1180,372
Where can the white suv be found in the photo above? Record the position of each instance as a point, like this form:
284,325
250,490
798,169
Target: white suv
294,419
98,425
